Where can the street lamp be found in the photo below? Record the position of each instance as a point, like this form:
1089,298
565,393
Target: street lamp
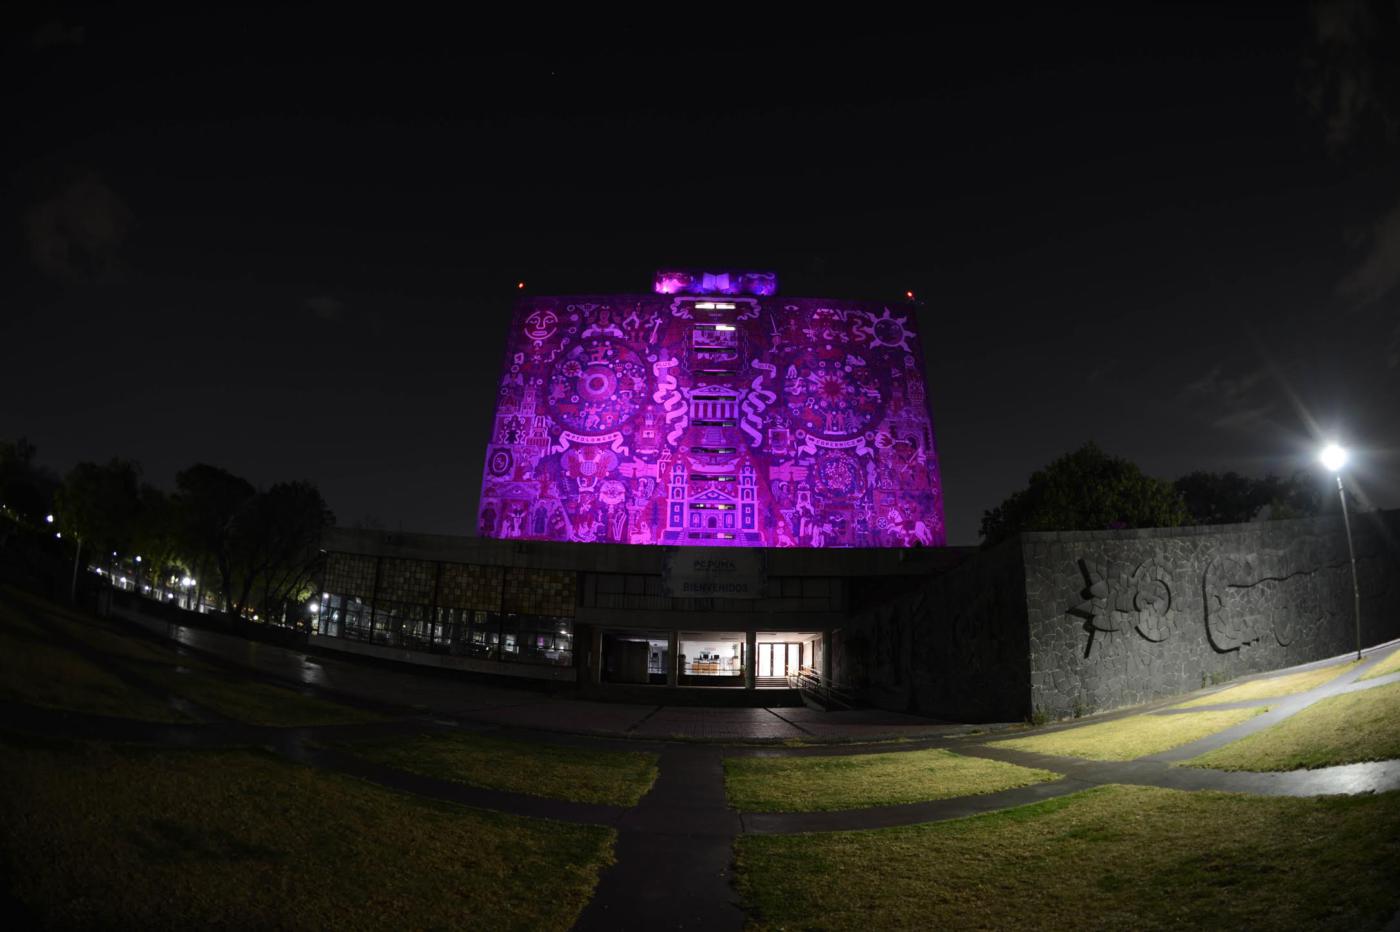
77,556
1335,458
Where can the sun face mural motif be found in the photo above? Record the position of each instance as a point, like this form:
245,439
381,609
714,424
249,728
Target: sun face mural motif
685,420
541,324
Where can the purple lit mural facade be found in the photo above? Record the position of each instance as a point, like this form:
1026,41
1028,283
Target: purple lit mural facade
732,418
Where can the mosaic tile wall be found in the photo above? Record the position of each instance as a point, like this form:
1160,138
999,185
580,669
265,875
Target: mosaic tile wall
737,420
350,574
539,592
407,580
465,585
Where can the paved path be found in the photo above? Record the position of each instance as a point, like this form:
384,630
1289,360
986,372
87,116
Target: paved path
1282,708
674,852
674,849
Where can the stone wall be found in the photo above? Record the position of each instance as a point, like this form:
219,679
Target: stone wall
1117,618
1064,624
951,646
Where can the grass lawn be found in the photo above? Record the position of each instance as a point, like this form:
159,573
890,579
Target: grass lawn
1345,729
1131,737
36,668
249,701
35,671
1113,857
120,643
1274,687
1390,664
807,784
95,837
100,634
580,774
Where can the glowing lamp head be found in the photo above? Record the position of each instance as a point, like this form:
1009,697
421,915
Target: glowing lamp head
48,519
1333,457
519,286
909,295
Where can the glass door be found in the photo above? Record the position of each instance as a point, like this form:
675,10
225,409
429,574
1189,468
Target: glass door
779,658
765,659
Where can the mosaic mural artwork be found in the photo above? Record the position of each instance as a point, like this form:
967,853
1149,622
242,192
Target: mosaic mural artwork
712,420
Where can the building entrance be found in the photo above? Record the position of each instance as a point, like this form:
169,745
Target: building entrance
779,658
781,654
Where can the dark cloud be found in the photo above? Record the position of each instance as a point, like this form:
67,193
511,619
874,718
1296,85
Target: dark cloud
1379,271
76,234
1348,74
56,33
1245,417
1352,84
1229,388
1231,401
326,307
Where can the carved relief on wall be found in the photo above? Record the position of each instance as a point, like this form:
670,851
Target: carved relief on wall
1274,598
1119,596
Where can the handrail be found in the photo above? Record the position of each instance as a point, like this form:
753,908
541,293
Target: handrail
825,691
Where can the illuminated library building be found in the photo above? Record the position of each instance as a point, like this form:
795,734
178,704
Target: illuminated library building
689,487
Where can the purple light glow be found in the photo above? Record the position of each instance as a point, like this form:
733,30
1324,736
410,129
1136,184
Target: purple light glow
680,281
686,420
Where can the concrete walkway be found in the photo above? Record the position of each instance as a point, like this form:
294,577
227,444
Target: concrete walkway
674,849
674,852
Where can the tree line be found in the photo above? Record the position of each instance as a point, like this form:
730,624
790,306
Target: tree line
252,550
1089,489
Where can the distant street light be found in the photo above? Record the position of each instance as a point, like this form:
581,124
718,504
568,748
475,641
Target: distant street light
48,519
1335,459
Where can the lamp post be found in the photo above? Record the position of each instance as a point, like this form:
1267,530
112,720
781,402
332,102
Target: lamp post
1335,458
77,555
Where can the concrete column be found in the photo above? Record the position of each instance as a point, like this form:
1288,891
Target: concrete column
595,656
673,658
750,657
825,671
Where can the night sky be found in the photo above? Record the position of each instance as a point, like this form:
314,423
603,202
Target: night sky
288,244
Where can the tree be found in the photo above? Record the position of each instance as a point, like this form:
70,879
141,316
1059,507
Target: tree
99,504
1303,495
274,546
207,499
156,536
1229,498
1085,490
1224,498
25,488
